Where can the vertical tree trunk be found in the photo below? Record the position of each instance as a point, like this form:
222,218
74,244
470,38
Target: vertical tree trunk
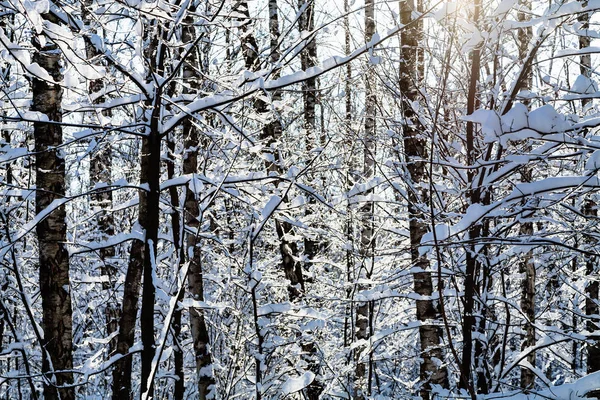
100,172
121,386
592,310
431,370
8,180
193,252
179,389
527,268
527,265
349,150
149,208
590,209
585,60
367,241
471,261
55,286
142,260
308,59
270,135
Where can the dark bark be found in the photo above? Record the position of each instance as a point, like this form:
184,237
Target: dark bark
192,216
471,256
431,372
121,386
527,268
100,172
179,389
270,137
349,226
148,219
55,286
527,265
592,310
143,254
362,382
585,60
308,59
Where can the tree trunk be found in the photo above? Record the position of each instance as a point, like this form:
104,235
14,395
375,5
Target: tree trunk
362,382
527,265
585,60
527,268
55,286
121,389
431,371
192,215
100,172
149,208
143,253
308,59
471,259
270,136
349,145
592,310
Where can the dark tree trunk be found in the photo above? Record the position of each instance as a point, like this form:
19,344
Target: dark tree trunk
585,59
471,256
527,268
121,389
362,381
527,265
592,310
55,286
270,136
308,59
142,259
415,154
349,150
176,229
192,216
150,206
100,172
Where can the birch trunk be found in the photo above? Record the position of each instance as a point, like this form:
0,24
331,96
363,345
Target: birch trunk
363,370
55,286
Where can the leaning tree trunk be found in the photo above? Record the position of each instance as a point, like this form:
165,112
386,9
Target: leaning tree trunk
270,136
55,286
362,381
430,372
